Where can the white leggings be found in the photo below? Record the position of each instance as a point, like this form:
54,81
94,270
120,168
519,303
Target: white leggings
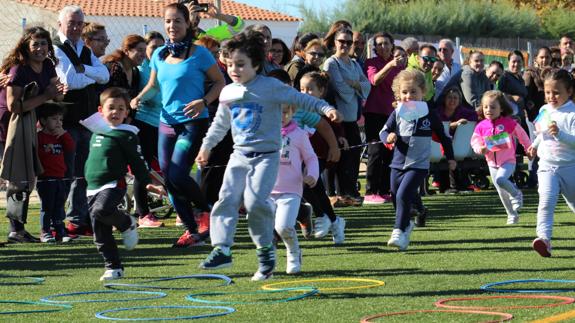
506,189
287,207
552,181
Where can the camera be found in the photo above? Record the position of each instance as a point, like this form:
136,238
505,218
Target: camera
203,7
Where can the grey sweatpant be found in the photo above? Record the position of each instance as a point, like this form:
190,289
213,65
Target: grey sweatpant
505,188
250,180
552,181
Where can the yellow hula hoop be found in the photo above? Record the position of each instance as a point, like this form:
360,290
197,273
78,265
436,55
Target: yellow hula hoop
374,283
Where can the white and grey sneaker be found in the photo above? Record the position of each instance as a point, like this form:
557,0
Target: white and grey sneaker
400,239
293,262
111,274
338,230
130,236
517,201
512,219
321,226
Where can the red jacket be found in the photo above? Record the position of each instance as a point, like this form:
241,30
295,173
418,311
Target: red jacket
51,151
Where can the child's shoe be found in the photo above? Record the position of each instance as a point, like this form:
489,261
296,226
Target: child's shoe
542,246
188,240
512,219
338,230
149,221
203,221
400,239
322,225
517,201
421,218
217,259
267,262
22,236
46,237
130,236
293,262
373,199
305,222
111,274
179,222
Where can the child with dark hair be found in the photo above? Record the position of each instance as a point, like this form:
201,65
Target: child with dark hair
53,143
251,107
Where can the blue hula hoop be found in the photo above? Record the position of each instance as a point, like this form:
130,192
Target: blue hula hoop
156,295
489,287
311,291
34,281
226,281
101,315
60,308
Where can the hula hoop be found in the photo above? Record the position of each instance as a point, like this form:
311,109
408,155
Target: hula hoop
375,283
311,291
61,307
489,287
156,295
503,316
34,281
101,315
226,281
563,301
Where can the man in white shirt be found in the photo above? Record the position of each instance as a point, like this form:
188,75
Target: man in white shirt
80,70
445,52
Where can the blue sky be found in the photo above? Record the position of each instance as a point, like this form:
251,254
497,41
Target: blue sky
290,6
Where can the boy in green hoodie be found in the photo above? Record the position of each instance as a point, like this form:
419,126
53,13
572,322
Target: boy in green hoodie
113,147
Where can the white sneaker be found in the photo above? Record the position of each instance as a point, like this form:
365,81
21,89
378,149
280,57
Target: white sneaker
261,277
512,219
111,274
321,226
338,230
398,240
130,236
517,201
293,262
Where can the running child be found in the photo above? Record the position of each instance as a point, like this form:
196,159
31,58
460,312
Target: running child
555,146
111,151
53,143
251,107
410,131
494,137
288,188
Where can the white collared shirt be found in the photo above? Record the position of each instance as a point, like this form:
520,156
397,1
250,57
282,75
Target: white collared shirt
96,73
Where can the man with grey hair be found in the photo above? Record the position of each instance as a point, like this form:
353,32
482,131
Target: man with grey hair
80,70
411,46
445,52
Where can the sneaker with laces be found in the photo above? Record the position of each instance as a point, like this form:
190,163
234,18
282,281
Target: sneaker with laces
512,219
217,259
267,263
305,222
517,201
400,239
322,226
46,237
293,262
542,246
203,221
149,221
421,218
112,274
373,199
188,240
130,235
338,230
179,222
22,236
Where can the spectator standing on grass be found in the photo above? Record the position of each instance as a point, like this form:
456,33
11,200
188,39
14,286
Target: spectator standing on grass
351,86
411,46
81,71
269,65
533,78
231,26
33,81
380,70
472,80
279,52
512,84
446,49
95,37
358,51
493,73
329,38
299,58
423,62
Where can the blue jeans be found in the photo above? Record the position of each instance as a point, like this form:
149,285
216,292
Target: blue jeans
52,193
78,209
178,145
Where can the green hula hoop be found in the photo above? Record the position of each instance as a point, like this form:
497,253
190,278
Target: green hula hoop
310,291
60,308
34,281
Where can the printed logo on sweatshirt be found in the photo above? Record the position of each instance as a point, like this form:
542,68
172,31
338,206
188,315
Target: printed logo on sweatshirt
425,125
54,149
247,117
499,127
284,155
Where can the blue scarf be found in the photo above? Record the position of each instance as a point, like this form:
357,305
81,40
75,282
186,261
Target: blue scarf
176,49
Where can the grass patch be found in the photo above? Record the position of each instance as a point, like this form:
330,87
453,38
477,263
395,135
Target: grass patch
465,245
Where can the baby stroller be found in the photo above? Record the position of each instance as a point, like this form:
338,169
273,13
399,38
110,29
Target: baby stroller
160,205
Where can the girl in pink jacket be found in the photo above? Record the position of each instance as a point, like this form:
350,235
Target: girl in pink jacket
494,137
286,194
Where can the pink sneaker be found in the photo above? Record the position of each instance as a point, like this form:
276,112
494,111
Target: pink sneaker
387,198
179,222
372,199
542,246
149,221
203,221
